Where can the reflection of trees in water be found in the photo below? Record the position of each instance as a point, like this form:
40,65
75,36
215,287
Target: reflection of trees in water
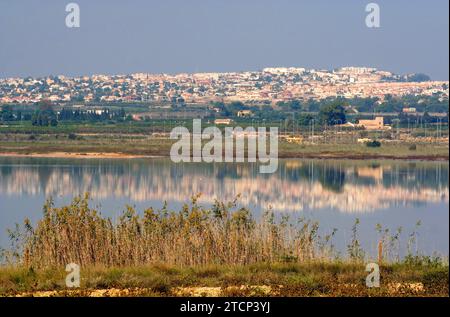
413,175
5,171
296,183
332,178
45,174
332,174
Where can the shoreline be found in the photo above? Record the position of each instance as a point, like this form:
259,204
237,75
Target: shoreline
308,279
335,156
89,155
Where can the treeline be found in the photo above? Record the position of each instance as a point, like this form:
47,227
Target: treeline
46,115
435,103
284,109
69,114
329,111
332,111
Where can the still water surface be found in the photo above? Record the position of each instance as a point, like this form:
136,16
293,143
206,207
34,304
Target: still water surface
333,192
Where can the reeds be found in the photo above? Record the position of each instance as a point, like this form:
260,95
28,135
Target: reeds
194,236
223,234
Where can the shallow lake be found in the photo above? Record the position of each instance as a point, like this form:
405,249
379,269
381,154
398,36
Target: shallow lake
333,192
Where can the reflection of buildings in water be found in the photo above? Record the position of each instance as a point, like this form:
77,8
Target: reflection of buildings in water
297,186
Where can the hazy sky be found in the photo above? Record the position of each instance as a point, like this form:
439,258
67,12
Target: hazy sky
172,36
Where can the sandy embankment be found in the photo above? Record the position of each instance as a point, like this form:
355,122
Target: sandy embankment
324,155
74,155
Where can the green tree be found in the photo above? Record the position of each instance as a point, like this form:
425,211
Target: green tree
7,113
427,118
333,113
305,119
45,115
418,78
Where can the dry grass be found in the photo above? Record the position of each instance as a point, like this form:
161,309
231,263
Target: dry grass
193,236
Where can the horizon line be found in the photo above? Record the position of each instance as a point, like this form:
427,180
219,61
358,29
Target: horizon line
215,72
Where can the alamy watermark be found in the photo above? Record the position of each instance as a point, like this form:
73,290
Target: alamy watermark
73,278
73,18
373,278
262,145
373,18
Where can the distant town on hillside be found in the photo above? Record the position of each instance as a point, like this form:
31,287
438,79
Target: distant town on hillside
269,86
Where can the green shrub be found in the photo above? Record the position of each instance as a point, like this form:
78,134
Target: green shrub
435,278
373,143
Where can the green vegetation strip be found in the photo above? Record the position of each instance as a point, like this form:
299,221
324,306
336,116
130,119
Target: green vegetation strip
278,279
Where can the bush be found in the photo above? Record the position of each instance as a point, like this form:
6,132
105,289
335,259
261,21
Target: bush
435,278
412,147
373,143
72,136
